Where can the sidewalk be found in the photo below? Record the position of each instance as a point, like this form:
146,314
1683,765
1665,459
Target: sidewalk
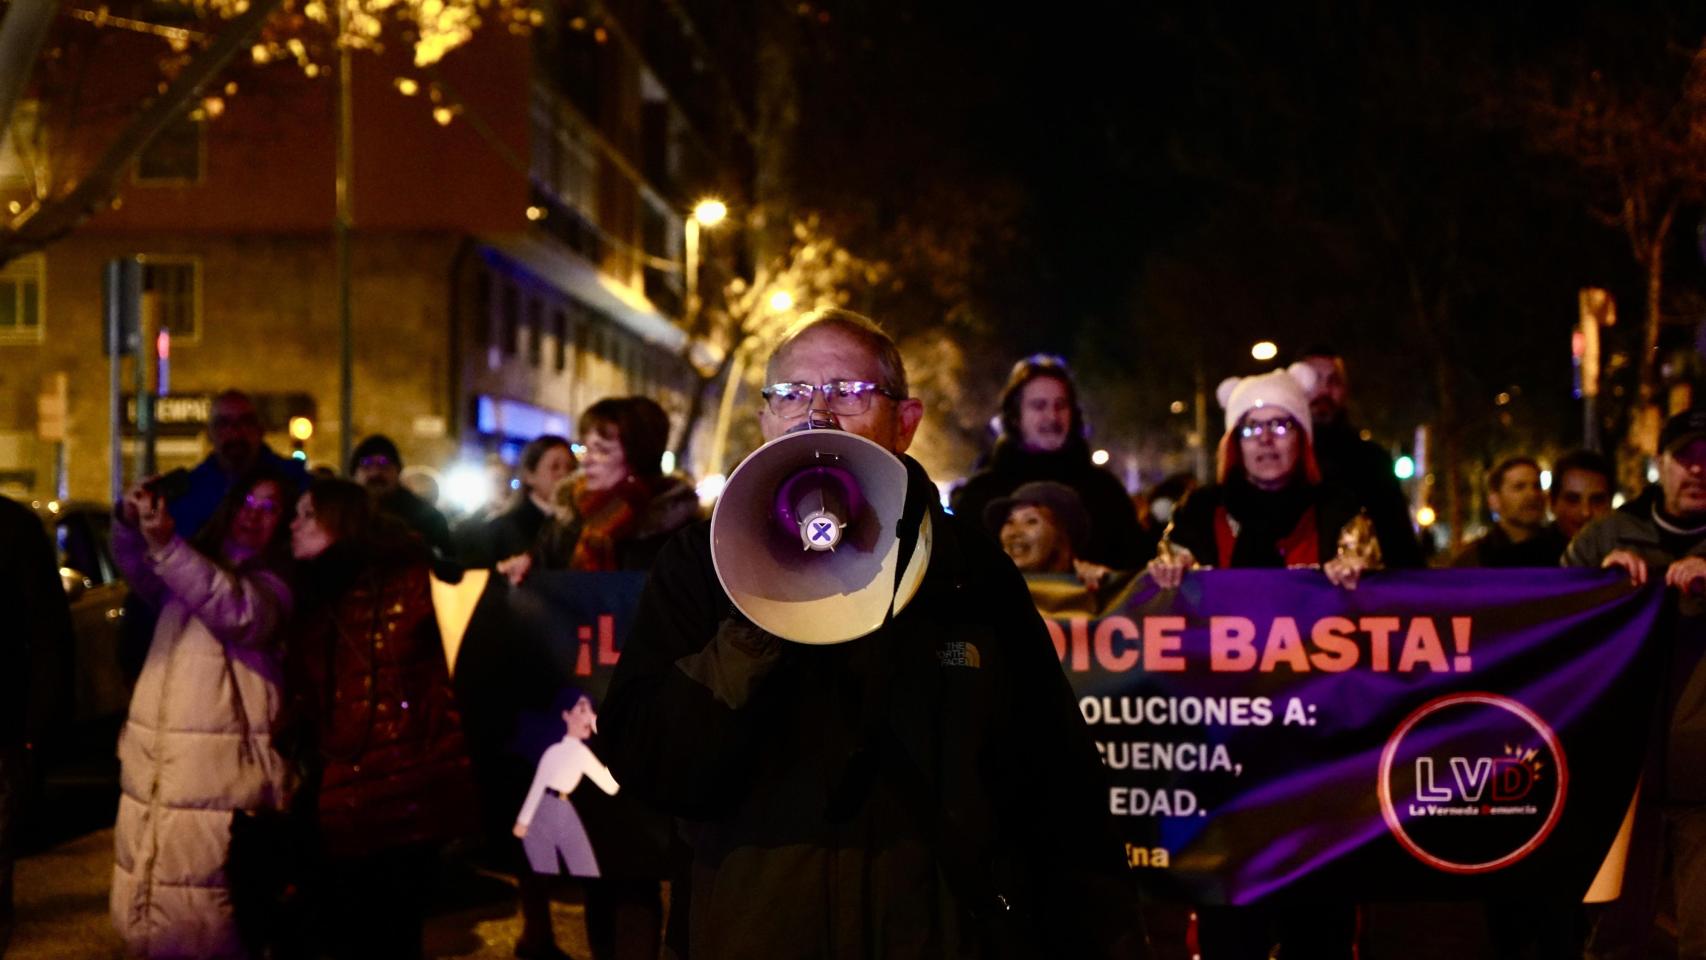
62,910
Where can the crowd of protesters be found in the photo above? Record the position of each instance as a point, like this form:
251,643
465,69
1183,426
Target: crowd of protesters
1291,477
295,755
296,709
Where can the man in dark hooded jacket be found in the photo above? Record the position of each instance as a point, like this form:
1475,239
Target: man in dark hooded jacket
1362,467
1043,439
1660,536
926,790
376,464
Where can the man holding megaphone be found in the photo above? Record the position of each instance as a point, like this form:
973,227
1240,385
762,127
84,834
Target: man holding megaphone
850,703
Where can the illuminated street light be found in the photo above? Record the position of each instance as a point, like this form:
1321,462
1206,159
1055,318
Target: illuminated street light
467,487
710,211
1425,516
1404,468
710,488
781,301
1264,351
301,428
706,213
1177,406
1099,458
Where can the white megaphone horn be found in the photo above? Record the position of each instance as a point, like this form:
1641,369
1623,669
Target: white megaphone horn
806,539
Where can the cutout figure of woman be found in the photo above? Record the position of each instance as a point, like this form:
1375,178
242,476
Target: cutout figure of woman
549,828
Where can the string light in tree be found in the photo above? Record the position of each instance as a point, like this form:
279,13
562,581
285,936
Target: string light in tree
305,32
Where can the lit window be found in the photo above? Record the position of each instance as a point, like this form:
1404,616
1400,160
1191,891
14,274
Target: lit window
21,299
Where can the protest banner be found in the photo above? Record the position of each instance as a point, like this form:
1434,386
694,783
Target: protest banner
1431,734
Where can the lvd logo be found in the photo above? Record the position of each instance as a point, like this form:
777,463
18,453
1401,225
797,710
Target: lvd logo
1508,779
1462,808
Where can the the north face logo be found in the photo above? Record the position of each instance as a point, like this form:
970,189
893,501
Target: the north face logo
959,653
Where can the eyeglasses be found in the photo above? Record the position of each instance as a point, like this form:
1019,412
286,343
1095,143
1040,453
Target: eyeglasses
844,398
267,507
1269,428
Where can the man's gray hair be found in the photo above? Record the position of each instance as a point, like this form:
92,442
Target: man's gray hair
890,367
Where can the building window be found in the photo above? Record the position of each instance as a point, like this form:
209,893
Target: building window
178,284
583,347
511,320
483,309
21,299
176,155
560,334
535,332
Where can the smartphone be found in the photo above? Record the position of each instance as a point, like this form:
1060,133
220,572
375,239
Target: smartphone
169,486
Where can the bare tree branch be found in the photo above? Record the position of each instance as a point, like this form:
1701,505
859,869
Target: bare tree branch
46,222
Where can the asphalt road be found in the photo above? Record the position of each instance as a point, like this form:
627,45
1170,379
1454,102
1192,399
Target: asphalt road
62,913
63,881
62,909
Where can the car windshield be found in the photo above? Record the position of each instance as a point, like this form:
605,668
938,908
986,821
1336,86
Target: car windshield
82,537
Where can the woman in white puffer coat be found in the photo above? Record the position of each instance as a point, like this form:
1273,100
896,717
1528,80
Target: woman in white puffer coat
198,741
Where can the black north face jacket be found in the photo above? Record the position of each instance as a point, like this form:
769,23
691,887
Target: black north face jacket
879,798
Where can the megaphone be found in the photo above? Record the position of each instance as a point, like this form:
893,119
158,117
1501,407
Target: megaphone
805,538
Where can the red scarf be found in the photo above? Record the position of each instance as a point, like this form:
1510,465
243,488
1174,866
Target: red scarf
607,517
1300,547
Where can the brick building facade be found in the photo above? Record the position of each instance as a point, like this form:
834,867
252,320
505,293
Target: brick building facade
515,256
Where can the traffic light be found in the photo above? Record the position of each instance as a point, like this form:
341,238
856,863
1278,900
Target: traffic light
301,428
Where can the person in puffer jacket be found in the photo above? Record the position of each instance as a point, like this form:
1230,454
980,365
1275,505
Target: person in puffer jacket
197,743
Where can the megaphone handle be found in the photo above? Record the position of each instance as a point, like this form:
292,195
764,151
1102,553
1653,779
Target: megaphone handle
740,655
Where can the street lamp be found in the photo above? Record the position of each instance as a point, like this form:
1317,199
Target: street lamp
710,211
706,213
1264,351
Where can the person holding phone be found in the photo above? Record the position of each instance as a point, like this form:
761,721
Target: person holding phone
197,744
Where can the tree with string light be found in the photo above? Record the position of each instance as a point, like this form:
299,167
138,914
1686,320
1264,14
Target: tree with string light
69,153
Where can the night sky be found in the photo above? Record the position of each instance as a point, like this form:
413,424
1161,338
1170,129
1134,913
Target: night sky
1174,184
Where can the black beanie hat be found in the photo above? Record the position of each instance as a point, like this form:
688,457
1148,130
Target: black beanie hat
378,445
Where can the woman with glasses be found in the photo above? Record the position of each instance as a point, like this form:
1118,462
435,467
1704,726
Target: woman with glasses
198,742
614,514
620,508
1269,509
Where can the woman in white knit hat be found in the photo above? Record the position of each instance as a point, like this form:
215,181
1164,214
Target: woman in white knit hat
1269,509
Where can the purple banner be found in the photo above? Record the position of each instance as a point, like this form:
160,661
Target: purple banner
1432,734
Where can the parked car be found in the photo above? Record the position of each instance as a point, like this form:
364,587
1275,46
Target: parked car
79,696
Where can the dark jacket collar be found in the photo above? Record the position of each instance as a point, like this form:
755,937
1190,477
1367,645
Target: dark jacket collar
1010,456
